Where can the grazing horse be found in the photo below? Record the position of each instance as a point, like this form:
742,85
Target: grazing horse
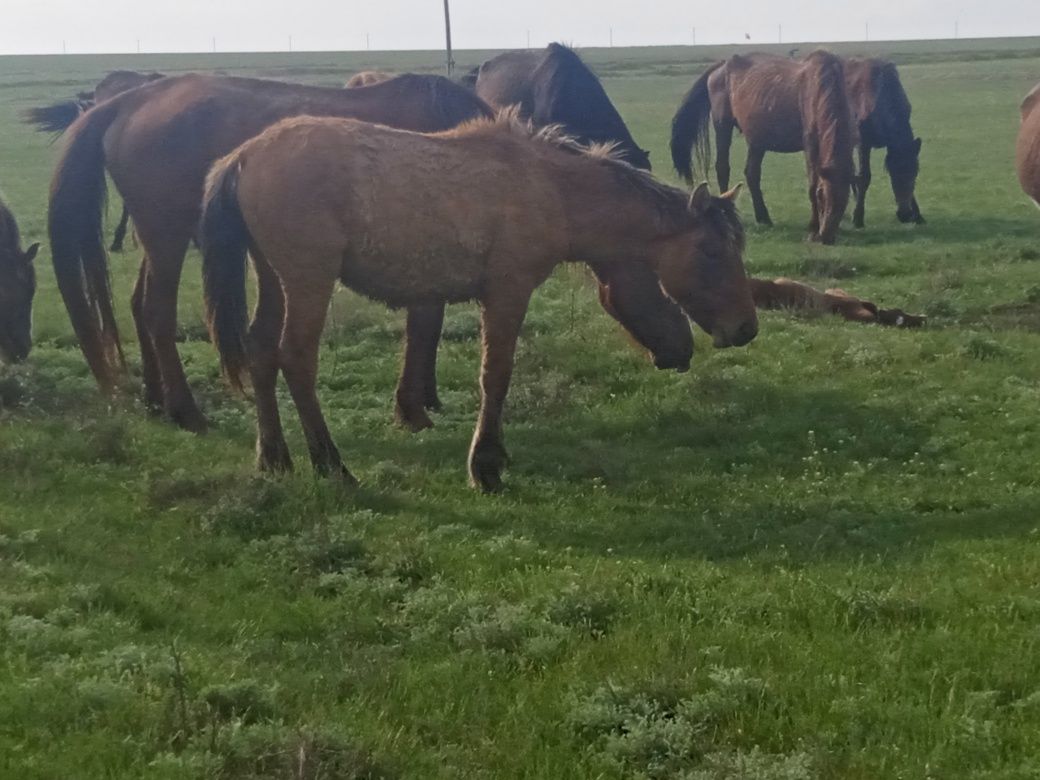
780,105
60,116
316,201
367,78
882,111
1028,156
17,287
157,142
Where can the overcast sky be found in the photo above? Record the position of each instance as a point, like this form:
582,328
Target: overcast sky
40,26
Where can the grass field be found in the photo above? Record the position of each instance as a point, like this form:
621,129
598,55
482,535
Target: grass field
815,557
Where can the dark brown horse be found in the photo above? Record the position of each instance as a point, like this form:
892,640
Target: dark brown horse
316,201
780,105
17,287
882,110
59,117
157,143
1028,156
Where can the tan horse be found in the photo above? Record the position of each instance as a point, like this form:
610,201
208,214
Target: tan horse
317,201
367,78
788,294
17,288
1028,157
59,117
780,105
157,142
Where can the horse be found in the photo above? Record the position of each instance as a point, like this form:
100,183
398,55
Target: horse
788,294
59,117
315,201
367,78
17,288
881,110
780,105
157,142
1028,149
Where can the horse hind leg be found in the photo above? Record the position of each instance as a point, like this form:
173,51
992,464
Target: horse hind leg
265,332
862,185
417,386
753,171
120,235
306,304
153,389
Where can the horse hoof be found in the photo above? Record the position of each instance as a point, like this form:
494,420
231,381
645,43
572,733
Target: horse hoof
274,459
190,420
485,469
433,403
413,418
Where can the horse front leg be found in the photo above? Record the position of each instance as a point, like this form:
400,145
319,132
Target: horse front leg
862,185
417,386
502,314
753,171
724,142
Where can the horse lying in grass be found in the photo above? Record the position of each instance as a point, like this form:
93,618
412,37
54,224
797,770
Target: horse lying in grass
1028,152
410,219
780,105
788,294
59,117
17,288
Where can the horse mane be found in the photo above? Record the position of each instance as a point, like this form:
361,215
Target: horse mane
671,203
826,118
567,92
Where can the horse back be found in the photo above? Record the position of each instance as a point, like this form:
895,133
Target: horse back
763,96
1028,150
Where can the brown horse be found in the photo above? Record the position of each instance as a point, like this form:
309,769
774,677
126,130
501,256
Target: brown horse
882,111
157,143
17,288
59,117
316,201
1028,157
780,105
367,78
788,294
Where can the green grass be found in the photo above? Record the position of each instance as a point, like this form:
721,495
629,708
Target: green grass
816,557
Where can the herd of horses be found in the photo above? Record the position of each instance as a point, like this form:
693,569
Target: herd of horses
419,191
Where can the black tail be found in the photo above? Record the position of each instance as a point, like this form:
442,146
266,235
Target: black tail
74,222
690,127
225,246
57,118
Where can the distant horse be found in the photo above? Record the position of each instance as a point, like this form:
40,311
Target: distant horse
780,105
17,288
60,116
367,78
316,201
882,110
1028,157
157,142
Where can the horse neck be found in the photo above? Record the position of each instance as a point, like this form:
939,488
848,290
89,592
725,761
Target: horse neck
615,216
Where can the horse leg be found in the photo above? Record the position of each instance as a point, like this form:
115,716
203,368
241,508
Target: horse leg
815,206
120,234
502,314
417,387
862,185
153,390
265,332
166,249
306,305
724,141
753,172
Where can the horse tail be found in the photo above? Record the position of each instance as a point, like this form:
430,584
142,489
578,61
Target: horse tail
690,127
455,104
56,118
225,246
74,223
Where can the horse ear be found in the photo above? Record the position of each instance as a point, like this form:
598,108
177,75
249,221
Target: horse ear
733,194
700,198
30,253
917,146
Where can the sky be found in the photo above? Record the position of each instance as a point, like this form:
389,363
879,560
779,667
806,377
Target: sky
101,26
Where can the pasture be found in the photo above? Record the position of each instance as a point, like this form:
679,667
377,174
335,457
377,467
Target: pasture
814,557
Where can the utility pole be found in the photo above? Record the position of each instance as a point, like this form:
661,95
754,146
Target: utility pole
447,35
290,43
214,44
368,42
612,37
528,39
138,45
779,33
64,49
956,29
866,31
694,36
